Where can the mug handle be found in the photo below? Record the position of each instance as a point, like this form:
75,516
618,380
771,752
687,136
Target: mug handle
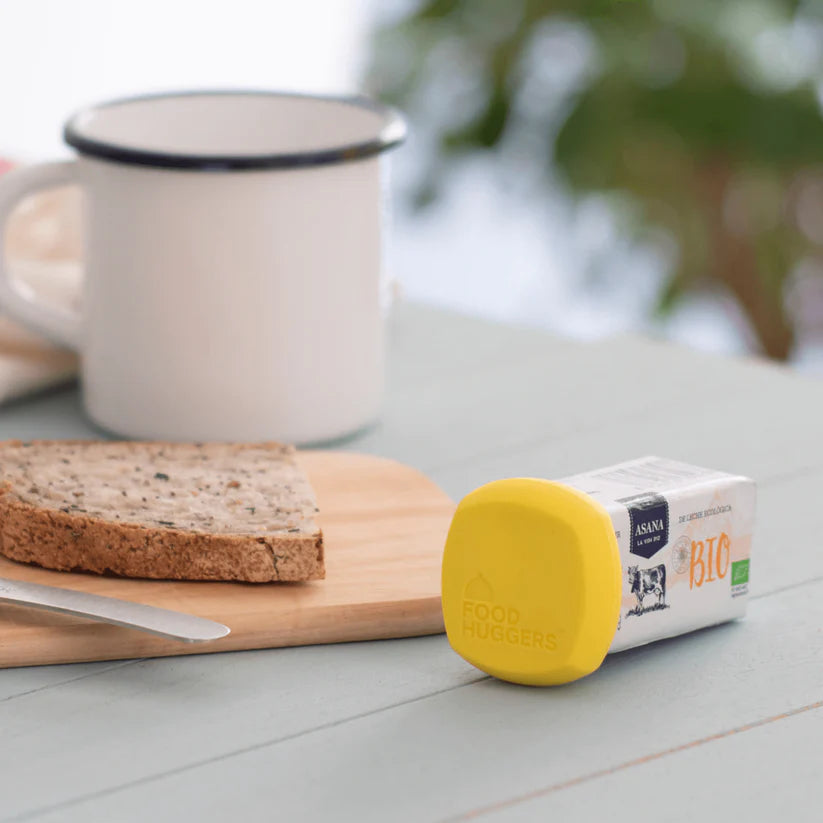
18,299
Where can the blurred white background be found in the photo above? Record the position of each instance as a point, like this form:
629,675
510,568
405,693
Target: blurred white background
59,55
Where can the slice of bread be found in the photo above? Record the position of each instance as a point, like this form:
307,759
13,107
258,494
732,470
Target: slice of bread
185,511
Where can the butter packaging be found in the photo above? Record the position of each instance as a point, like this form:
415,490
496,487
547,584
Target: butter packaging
542,579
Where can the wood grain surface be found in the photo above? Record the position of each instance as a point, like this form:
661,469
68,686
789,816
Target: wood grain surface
384,525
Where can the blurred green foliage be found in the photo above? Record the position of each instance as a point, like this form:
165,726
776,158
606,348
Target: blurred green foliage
705,116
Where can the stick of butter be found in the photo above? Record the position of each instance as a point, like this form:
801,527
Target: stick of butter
542,579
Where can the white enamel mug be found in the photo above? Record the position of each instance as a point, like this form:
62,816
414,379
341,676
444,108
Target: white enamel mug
232,285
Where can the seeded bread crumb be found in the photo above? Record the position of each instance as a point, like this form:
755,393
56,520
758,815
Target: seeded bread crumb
202,511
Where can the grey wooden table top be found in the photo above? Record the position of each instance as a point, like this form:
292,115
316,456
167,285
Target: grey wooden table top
720,722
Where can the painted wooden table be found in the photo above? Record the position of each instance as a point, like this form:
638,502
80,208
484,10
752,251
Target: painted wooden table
727,721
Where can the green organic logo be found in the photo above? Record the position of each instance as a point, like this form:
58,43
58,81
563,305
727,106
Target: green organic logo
740,572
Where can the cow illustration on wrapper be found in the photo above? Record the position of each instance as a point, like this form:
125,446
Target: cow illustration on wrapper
649,583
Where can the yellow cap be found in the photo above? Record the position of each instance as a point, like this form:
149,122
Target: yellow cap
531,581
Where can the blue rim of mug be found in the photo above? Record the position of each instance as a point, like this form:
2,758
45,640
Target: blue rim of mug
391,133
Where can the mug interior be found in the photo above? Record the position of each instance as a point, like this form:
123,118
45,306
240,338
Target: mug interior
233,127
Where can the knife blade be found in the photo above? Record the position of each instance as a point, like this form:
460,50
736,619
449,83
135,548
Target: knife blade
151,619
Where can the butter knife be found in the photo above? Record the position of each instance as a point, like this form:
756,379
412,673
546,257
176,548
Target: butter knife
162,622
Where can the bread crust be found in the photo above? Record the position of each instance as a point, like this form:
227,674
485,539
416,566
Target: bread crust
68,541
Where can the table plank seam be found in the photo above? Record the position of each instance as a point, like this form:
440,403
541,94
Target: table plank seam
118,664
787,587
530,444
122,664
191,766
522,358
638,761
796,474
151,778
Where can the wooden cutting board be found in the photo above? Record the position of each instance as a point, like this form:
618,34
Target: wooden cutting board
384,527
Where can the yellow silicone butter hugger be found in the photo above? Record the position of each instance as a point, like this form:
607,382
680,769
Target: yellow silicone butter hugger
531,581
